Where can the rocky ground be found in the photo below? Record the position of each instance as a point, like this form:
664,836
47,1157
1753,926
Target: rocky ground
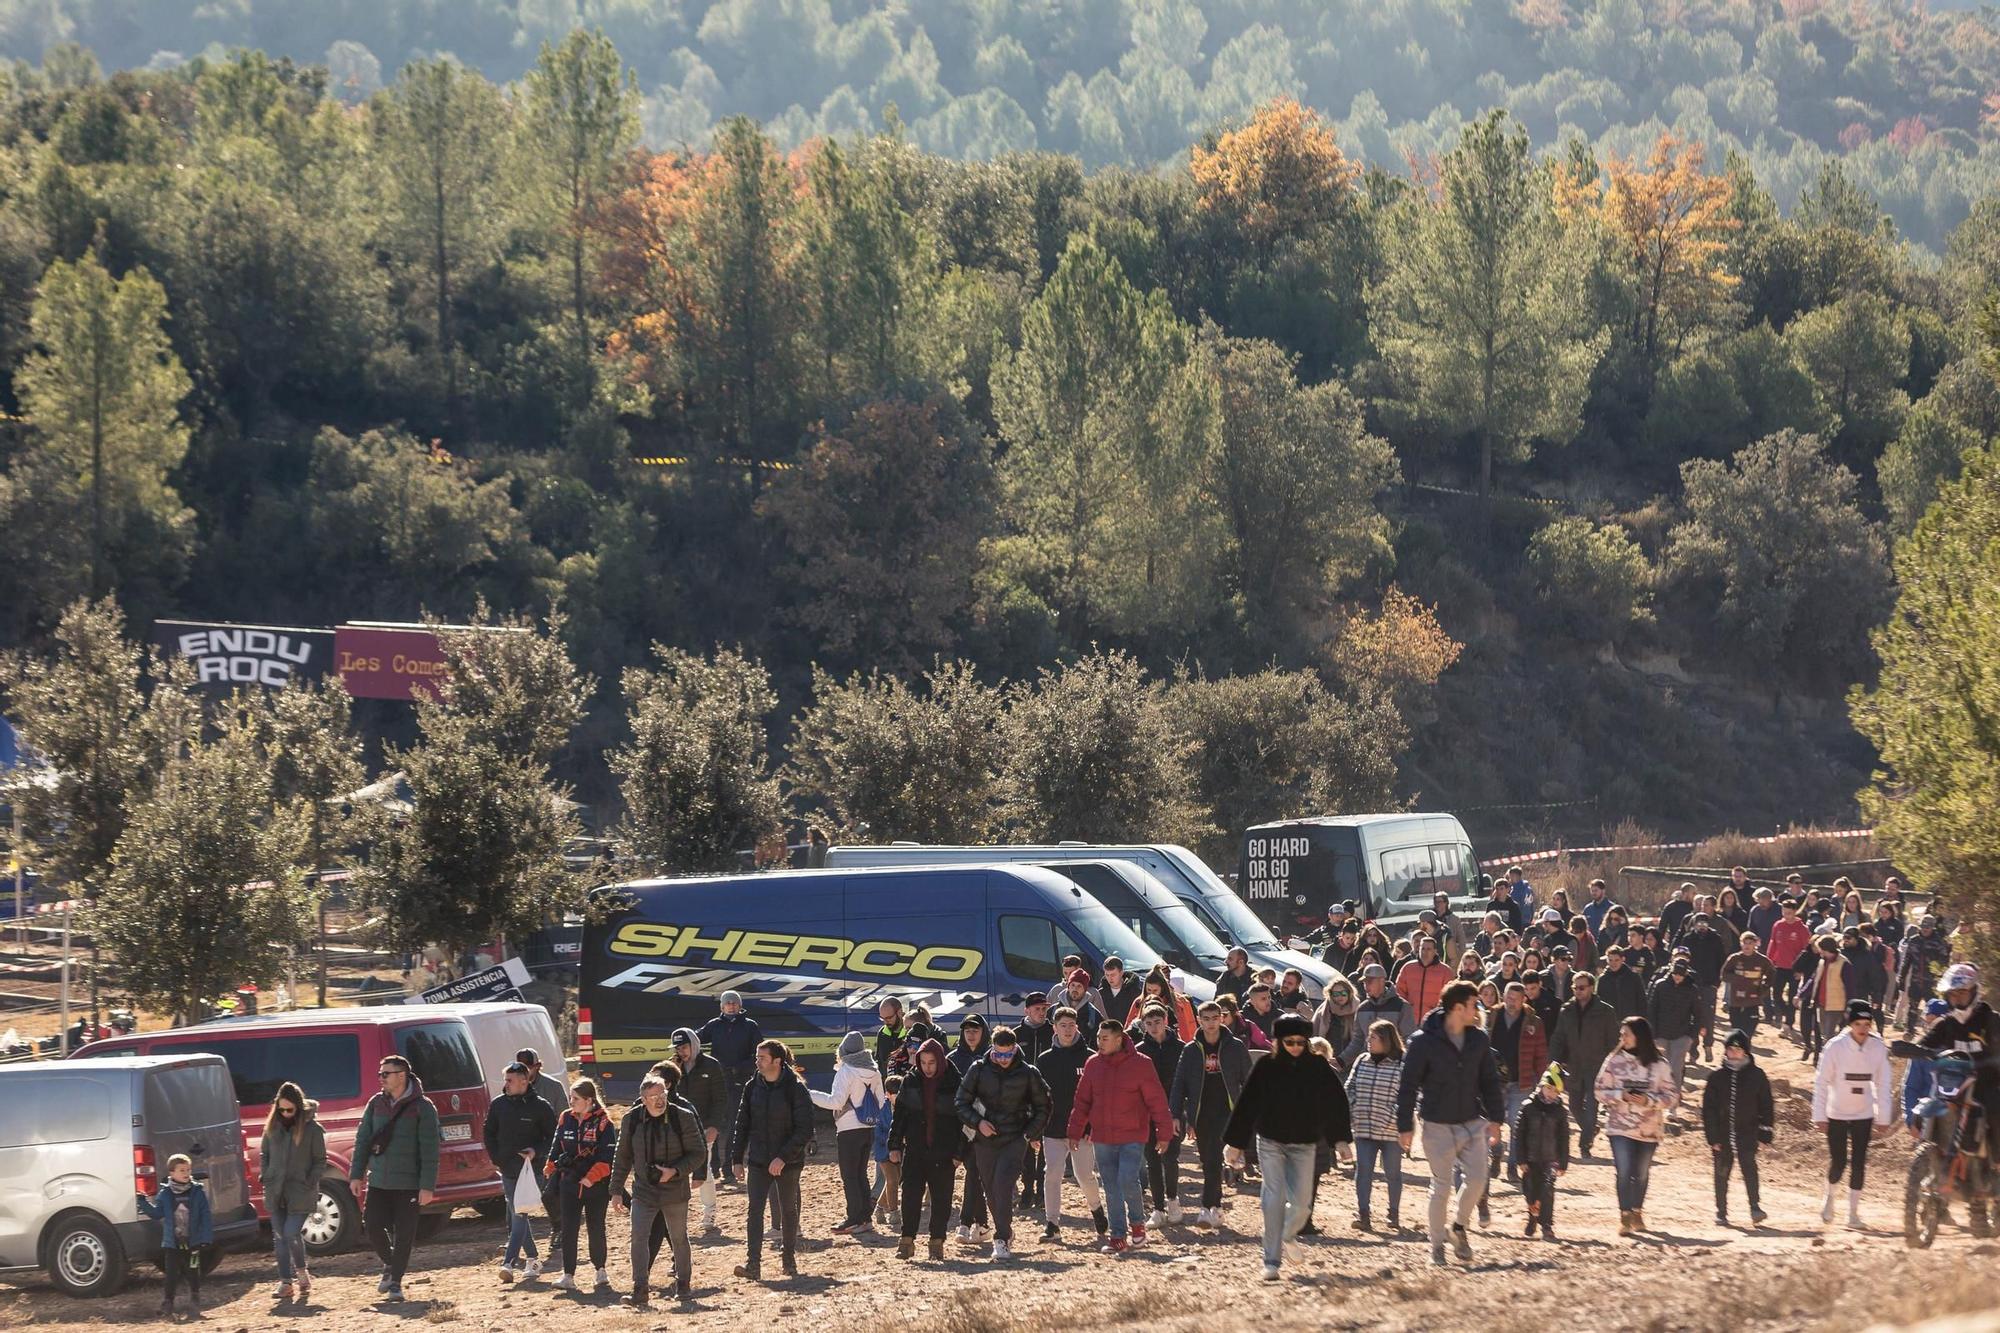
1689,1273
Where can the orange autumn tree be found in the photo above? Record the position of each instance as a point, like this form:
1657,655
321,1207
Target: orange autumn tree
649,268
1670,219
1282,177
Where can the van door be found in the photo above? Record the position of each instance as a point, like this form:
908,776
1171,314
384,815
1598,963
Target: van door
61,1145
191,1108
922,938
1029,947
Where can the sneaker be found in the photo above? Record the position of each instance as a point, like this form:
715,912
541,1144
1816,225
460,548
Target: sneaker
1437,1255
285,1289
1157,1219
603,1279
845,1228
895,1222
1548,1233
1758,1216
1051,1233
1116,1245
790,1267
567,1282
1461,1244
506,1275
1485,1214
1138,1236
1100,1221
395,1292
965,1235
863,1229
305,1284
1721,1218
1529,1229
1174,1212
708,1219
532,1271
683,1290
386,1282
1002,1252
1361,1222
981,1234
1309,1229
1270,1272
1395,1222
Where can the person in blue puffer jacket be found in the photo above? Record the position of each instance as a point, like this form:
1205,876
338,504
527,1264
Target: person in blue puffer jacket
186,1229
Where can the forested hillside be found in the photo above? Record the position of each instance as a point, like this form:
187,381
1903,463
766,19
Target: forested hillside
1550,476
1896,90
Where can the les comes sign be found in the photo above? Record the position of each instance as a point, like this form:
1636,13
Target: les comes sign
227,656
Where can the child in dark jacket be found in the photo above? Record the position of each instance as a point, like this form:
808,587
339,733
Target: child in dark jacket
186,1229
1736,1115
1541,1151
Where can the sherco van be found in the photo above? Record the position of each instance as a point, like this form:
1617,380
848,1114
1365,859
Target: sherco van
813,952
1179,869
333,1055
79,1142
1390,866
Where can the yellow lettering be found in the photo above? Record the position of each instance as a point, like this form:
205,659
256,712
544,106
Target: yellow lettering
942,963
692,938
761,948
828,953
643,939
857,961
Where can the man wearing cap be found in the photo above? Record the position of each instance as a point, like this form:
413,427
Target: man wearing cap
1854,1099
1678,1012
1586,1031
731,1037
1737,1114
1078,995
1328,930
1377,1002
1925,956
548,1089
704,1087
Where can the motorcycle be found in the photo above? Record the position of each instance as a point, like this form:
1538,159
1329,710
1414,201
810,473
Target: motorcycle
1953,1158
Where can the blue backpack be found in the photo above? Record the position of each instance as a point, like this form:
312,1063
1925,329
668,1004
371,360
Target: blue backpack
869,1109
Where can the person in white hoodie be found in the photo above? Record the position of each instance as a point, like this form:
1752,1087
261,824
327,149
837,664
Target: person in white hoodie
1854,1099
857,1102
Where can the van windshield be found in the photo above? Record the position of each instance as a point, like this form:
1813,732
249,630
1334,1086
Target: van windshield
1108,935
1240,924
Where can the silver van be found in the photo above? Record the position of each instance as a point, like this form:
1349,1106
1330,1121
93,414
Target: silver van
1184,873
80,1141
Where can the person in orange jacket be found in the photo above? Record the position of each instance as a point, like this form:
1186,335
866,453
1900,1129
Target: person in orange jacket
1422,979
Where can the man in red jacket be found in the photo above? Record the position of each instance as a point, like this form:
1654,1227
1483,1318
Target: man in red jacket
1120,1106
1422,979
1790,937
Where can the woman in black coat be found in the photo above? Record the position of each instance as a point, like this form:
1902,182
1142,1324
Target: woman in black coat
1292,1101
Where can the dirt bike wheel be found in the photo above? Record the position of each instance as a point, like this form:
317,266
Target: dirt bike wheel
1922,1206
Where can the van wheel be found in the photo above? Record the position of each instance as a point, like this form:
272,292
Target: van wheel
335,1220
429,1224
85,1256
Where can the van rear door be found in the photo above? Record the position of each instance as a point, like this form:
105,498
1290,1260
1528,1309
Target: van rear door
923,937
190,1107
442,1056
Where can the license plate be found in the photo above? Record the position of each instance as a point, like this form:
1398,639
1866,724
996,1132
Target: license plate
457,1133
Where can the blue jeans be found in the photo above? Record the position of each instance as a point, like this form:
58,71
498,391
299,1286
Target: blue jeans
1632,1161
288,1240
520,1236
1122,1168
1287,1193
1367,1152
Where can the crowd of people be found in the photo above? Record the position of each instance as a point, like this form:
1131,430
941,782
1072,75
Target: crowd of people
1510,1047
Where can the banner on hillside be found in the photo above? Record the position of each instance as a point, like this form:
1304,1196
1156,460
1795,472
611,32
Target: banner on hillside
227,656
388,661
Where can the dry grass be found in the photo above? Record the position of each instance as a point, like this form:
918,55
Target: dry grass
1797,846
442,1312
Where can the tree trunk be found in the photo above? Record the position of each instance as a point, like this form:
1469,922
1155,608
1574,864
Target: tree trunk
97,584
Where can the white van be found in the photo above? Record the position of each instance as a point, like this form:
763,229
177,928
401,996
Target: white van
1225,914
500,1028
79,1141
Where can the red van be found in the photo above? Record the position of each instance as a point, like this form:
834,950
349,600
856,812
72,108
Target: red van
333,1055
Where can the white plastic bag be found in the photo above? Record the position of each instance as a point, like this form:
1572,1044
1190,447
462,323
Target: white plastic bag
527,1194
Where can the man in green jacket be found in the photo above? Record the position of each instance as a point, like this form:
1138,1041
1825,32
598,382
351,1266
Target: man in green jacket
1585,1032
396,1147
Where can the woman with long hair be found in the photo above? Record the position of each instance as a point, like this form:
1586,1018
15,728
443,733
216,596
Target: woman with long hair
1372,1085
580,1158
1158,988
1635,1087
291,1157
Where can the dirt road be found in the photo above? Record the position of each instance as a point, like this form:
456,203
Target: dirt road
1793,1273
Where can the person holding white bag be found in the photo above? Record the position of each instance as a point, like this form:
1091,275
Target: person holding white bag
857,1102
519,1125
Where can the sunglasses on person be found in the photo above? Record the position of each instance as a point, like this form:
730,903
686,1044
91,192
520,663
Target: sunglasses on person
1295,1043
287,1111
1004,1054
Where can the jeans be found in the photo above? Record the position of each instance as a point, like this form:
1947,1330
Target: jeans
1163,1174
1389,1152
1632,1163
1783,1001
1677,1054
1513,1097
851,1148
1583,1106
288,1239
1287,1192
928,1174
1848,1140
648,1206
1743,1153
390,1217
1055,1152
1119,1166
1461,1146
783,1191
999,1167
581,1211
520,1236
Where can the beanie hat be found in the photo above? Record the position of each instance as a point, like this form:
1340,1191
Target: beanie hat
729,996
1078,977
1290,1025
1737,1038
1553,1077
1860,1009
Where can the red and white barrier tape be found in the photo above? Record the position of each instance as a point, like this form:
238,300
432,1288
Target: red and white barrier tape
1526,858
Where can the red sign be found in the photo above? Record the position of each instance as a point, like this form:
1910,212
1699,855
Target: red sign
386,661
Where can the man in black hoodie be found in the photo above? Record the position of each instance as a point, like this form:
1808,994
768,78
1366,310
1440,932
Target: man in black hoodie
1737,1114
925,1136
1155,1039
1060,1066
519,1125
731,1037
1005,1103
972,1206
1449,1071
1213,1069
